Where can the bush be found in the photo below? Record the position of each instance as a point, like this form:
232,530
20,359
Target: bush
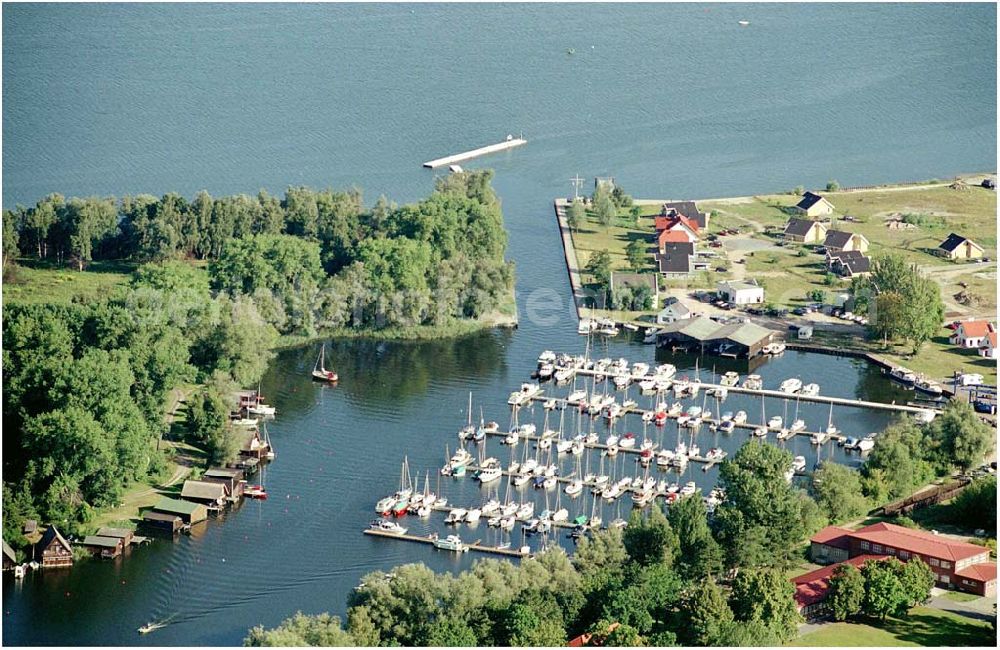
832,186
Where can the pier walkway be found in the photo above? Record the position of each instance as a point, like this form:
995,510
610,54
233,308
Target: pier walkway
475,153
475,546
820,399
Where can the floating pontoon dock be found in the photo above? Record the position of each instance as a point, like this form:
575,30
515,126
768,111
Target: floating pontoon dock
820,399
475,546
510,143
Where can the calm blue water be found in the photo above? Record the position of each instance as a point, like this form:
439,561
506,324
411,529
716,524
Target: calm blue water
672,100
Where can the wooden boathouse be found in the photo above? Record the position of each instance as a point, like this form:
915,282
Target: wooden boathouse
189,512
737,340
208,493
161,523
54,550
230,478
105,547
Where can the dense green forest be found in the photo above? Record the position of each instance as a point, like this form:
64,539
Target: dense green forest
313,260
86,381
681,578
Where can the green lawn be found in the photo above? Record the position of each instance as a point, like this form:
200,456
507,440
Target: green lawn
971,212
921,627
36,282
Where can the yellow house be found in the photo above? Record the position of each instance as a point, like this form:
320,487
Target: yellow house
805,231
957,247
838,241
814,205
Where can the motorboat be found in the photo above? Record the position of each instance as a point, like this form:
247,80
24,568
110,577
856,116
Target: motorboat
546,371
753,382
760,432
775,422
665,371
689,488
574,488
798,425
490,474
526,510
456,516
810,390
451,543
740,417
576,396
473,515
627,441
903,375
730,379
727,426
928,387
867,443
799,464
647,386
850,442
791,385
547,356
664,458
386,526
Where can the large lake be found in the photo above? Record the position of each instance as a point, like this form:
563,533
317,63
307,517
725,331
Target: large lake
675,101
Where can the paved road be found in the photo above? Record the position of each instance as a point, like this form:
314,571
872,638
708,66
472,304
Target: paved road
982,609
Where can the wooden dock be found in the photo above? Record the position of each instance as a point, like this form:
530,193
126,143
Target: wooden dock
476,546
475,153
632,410
819,399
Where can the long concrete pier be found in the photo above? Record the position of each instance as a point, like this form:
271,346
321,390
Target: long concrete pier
475,153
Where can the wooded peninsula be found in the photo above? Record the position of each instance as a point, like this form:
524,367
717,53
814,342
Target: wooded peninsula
217,284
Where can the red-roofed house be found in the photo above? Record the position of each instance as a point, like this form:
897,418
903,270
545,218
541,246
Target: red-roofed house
988,348
951,561
830,545
678,222
671,237
971,333
811,588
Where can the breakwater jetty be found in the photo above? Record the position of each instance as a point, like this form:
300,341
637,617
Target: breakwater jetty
509,143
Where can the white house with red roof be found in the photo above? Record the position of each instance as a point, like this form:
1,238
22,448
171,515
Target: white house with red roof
972,333
988,348
956,565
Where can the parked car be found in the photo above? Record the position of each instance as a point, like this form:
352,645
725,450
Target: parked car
721,269
800,311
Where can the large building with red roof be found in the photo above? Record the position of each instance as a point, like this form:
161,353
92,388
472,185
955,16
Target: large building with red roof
956,565
811,588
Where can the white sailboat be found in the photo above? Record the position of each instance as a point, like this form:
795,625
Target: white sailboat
320,373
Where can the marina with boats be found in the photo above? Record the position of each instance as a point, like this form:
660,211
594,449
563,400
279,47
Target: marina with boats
612,434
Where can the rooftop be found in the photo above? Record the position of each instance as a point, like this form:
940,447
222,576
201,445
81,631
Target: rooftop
203,490
104,542
811,588
675,258
954,241
976,328
983,572
800,227
917,541
106,531
176,506
838,238
688,209
809,199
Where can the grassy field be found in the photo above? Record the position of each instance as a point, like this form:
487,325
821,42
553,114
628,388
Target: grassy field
971,212
921,627
35,282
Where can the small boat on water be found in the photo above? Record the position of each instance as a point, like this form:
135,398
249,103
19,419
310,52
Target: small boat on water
799,464
255,492
810,390
928,387
753,382
903,375
386,526
790,385
743,23
319,372
740,417
775,422
727,426
451,543
730,379
150,627
866,444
